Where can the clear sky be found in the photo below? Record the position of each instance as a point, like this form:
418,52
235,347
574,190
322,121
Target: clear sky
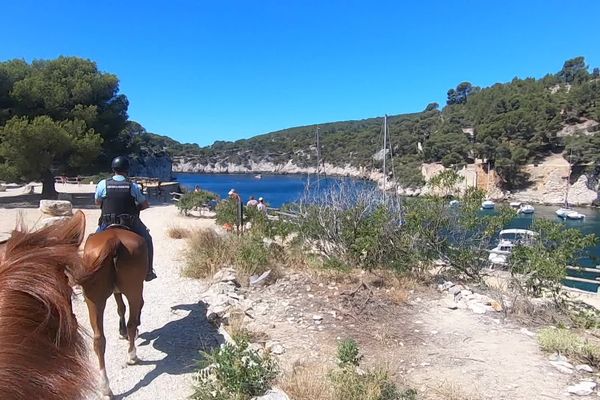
201,71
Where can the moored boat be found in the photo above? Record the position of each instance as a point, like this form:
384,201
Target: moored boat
526,209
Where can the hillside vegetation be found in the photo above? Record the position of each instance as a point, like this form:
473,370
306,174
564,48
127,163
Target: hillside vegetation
508,124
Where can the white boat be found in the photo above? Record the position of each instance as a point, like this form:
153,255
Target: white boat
515,204
509,238
488,205
562,212
454,203
575,215
259,176
526,209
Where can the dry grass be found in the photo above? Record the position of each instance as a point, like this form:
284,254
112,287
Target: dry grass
206,253
452,391
236,328
307,382
570,344
177,232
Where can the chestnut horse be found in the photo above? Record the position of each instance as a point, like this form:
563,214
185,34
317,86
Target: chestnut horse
42,353
115,262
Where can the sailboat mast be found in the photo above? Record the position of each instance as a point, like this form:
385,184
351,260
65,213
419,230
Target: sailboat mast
384,153
318,142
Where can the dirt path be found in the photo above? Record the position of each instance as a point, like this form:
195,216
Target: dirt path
173,329
443,353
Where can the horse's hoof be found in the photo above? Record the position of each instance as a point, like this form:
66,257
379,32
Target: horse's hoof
132,360
124,337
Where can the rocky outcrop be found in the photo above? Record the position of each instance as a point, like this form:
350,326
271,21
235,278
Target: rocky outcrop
548,178
152,166
190,165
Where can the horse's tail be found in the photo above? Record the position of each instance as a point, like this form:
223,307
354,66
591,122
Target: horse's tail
44,354
99,250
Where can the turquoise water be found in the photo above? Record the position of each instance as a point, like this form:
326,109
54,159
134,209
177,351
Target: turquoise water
280,189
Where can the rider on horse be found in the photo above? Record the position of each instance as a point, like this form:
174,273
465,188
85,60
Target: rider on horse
121,202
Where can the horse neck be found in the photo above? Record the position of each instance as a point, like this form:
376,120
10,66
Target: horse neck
44,355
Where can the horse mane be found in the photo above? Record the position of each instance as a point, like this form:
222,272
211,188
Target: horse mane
42,352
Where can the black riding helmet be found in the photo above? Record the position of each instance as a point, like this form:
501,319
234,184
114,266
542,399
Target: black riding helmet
120,164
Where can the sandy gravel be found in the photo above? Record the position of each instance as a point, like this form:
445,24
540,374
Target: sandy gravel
173,328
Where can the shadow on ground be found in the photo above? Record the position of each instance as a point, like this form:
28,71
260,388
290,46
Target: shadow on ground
181,341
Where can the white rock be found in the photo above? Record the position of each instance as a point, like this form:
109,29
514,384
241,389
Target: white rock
2,188
582,388
259,280
477,308
225,275
563,366
455,289
56,208
584,367
52,220
317,317
273,394
445,286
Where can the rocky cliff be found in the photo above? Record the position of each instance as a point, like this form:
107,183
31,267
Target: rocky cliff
548,178
153,166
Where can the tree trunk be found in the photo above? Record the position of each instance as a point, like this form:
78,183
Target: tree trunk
48,189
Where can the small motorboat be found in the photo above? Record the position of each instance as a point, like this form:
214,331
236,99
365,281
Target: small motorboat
526,209
515,204
488,205
259,176
507,240
454,203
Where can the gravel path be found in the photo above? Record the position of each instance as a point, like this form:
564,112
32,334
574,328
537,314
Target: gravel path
173,329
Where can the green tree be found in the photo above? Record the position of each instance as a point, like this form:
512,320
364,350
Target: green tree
67,88
38,149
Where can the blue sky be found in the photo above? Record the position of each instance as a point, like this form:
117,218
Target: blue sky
201,71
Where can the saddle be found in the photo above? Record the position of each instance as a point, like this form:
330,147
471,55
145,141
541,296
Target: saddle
113,221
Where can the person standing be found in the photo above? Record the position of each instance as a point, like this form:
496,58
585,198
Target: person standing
239,222
261,205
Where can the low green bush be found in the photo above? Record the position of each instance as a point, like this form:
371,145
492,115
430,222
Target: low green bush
195,200
234,372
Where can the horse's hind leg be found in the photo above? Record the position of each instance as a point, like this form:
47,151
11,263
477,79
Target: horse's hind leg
121,311
96,311
136,302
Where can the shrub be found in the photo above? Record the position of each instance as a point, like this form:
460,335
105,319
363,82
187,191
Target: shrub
543,265
351,384
250,255
372,385
460,237
206,253
307,383
226,212
195,200
176,232
357,226
235,372
347,353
